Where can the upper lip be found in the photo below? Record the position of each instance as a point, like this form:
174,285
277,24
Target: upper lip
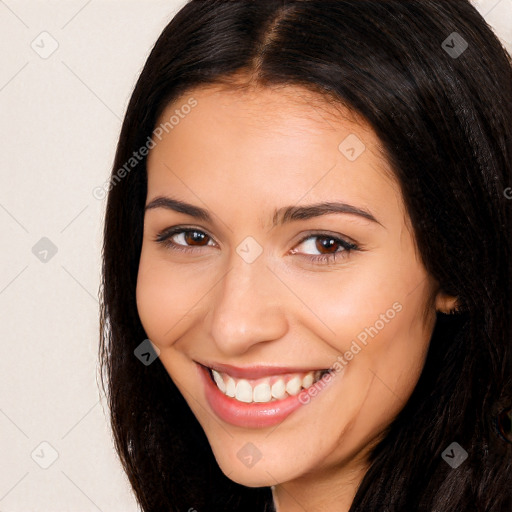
256,371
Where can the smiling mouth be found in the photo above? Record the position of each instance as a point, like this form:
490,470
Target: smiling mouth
266,389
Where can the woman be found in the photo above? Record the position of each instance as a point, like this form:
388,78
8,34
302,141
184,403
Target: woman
308,218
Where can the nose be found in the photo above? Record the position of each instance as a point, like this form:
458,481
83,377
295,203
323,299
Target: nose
248,308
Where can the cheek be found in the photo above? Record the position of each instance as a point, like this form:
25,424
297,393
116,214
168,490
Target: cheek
382,339
351,300
372,314
385,345
165,297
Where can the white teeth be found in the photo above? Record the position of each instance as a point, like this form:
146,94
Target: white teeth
219,381
306,381
293,386
279,389
242,389
230,387
261,393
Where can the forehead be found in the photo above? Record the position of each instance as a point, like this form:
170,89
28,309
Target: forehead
269,145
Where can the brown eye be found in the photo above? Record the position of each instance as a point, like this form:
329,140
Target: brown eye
325,244
324,248
195,238
328,244
183,239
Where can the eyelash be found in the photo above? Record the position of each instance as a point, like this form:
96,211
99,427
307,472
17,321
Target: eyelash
164,238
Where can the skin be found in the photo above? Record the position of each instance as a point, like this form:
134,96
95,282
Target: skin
241,155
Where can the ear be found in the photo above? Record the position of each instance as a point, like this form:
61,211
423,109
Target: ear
446,303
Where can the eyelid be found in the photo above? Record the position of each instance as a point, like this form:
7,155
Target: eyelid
325,234
167,233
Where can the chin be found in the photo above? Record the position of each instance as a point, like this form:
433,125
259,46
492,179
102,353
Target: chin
261,474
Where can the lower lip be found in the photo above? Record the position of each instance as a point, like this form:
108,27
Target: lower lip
250,415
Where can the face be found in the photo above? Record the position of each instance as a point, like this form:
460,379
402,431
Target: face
276,245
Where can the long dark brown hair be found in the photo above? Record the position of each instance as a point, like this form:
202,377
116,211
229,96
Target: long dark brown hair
441,103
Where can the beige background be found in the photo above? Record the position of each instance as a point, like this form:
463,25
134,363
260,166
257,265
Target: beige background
60,119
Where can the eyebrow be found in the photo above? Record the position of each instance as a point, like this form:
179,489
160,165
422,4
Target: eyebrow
281,216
